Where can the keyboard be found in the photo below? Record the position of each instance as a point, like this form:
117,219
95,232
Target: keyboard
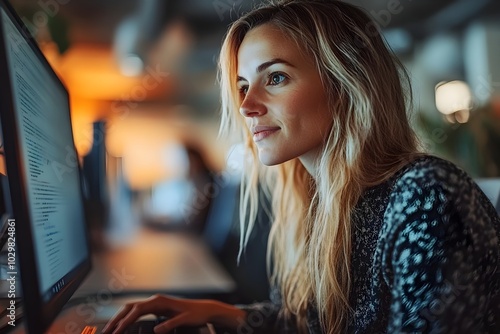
139,327
147,327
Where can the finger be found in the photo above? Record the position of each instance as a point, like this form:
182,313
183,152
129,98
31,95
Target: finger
135,313
167,326
116,318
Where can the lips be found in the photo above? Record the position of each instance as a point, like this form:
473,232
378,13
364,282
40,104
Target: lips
260,132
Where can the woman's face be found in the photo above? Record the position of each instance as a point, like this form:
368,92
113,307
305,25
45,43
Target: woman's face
282,97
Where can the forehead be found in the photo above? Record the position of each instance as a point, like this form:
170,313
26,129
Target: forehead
266,42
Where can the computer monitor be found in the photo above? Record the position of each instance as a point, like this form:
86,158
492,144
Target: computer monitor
44,177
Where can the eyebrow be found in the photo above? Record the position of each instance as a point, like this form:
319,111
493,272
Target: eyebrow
265,65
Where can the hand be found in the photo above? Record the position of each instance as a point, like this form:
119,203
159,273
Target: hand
181,312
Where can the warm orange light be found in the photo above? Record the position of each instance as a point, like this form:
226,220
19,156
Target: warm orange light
83,114
146,163
142,140
82,134
92,72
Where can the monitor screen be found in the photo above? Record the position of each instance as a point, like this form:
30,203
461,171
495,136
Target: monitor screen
43,175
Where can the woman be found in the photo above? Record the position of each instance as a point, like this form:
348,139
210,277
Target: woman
369,235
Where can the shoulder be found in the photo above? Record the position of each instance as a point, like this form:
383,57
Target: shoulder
435,204
432,183
425,173
425,186
439,234
430,171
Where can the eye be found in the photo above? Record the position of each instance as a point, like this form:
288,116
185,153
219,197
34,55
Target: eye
276,78
243,90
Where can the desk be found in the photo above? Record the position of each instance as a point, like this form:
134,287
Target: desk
150,262
158,261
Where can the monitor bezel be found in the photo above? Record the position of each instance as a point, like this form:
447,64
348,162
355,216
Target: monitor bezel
39,314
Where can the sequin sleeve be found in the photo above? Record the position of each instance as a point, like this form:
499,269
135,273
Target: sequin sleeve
441,253
264,317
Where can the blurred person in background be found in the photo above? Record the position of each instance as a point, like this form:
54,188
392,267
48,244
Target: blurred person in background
202,181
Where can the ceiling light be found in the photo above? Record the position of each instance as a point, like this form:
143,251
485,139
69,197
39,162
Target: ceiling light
131,65
453,96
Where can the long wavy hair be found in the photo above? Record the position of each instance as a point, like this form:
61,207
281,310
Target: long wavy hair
312,215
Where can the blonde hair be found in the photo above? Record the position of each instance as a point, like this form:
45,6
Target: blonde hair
310,240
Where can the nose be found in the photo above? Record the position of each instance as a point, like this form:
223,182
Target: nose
253,105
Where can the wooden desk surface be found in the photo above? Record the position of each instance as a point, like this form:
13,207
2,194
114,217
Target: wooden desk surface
157,261
149,262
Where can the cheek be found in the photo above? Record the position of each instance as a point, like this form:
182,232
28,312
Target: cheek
294,104
304,110
319,118
319,103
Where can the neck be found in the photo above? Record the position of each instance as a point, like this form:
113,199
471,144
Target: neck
310,161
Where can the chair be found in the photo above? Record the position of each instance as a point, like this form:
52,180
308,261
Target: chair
222,235
491,188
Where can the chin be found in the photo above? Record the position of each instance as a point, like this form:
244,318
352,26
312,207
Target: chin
269,163
271,159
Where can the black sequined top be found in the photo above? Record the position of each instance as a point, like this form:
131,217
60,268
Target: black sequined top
425,258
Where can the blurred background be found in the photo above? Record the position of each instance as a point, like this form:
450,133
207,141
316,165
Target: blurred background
147,69
142,80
